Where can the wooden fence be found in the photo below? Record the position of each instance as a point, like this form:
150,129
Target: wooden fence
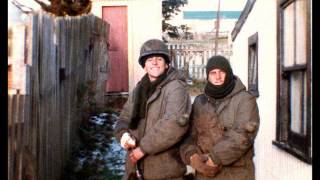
192,57
66,53
17,116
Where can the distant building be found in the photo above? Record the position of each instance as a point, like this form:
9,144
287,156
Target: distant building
192,54
272,55
201,15
204,21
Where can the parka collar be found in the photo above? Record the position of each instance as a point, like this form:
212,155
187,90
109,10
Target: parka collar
237,88
172,74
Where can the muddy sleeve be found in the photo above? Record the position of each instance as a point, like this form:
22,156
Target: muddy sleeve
189,146
171,128
122,124
237,140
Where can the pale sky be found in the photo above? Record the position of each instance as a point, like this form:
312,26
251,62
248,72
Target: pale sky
225,5
208,5
28,3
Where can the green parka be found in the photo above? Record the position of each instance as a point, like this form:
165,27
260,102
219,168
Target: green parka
224,129
160,133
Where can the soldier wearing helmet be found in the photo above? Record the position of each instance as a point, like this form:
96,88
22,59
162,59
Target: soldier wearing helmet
155,118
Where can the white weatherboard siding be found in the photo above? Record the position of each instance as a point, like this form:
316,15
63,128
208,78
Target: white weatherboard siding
270,161
144,22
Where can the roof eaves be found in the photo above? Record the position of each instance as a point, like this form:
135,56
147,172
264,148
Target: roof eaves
242,19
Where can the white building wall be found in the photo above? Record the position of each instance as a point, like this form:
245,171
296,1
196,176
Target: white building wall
17,25
270,161
144,22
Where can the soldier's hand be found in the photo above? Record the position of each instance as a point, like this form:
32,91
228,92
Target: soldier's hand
127,141
209,162
198,162
135,155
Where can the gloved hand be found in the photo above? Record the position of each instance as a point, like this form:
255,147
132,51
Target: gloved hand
209,162
127,141
198,162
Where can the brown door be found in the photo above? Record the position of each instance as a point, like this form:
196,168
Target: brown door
117,80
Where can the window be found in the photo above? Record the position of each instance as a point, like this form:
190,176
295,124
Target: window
294,79
253,65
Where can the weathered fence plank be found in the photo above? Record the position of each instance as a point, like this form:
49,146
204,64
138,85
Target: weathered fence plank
16,120
42,126
10,138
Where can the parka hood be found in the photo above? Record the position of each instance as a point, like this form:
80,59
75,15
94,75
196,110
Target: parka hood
237,88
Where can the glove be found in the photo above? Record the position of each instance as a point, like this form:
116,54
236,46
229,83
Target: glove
198,162
209,162
190,171
127,141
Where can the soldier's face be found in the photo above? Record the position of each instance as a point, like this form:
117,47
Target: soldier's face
217,76
155,66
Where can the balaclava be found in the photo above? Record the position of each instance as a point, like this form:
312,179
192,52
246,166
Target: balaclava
219,91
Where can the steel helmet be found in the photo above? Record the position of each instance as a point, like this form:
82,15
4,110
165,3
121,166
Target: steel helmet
153,47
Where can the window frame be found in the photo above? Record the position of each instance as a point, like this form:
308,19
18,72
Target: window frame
298,145
253,87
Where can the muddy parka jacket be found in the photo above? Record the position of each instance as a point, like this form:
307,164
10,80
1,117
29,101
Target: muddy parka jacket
160,133
225,130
